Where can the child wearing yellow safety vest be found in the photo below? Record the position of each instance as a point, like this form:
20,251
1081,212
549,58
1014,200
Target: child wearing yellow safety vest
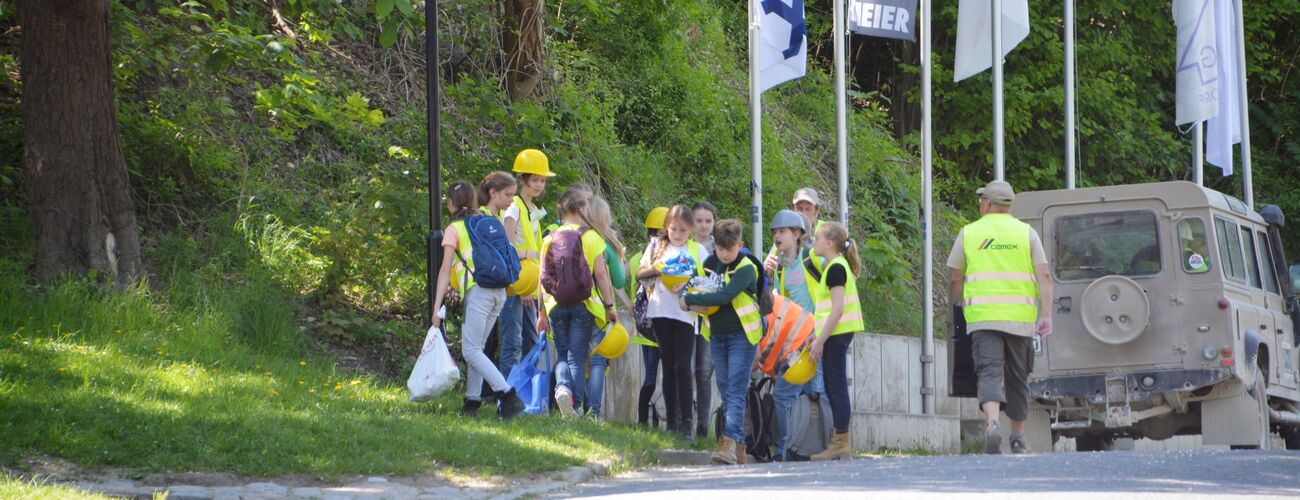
482,305
522,219
572,325
495,194
732,332
791,269
839,316
674,327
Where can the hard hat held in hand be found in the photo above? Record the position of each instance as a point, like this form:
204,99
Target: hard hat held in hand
615,342
532,161
670,280
802,370
529,274
706,284
709,310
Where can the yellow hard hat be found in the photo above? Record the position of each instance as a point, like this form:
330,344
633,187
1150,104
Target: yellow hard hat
656,218
532,161
615,342
711,309
529,273
670,280
802,370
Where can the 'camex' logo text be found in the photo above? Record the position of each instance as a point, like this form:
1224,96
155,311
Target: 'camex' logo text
990,245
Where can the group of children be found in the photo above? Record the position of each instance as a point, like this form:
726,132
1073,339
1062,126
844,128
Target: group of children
694,337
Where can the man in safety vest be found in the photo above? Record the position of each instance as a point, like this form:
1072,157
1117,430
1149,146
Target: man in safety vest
999,271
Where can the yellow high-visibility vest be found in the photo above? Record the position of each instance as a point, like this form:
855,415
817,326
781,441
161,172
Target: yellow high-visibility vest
851,319
593,246
532,241
1000,282
746,309
462,273
778,274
